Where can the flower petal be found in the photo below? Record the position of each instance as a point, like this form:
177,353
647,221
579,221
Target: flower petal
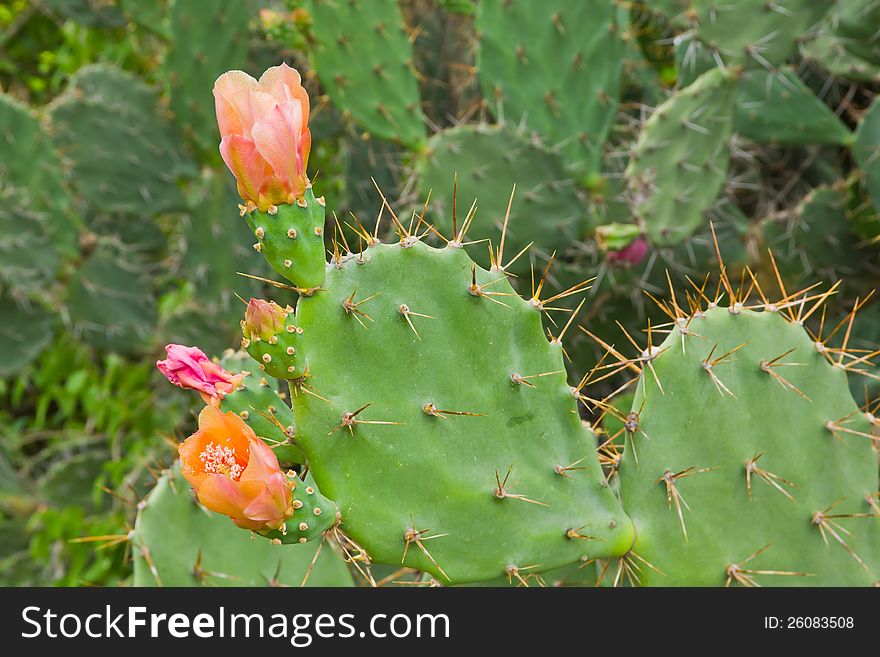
223,495
250,169
232,102
276,136
285,83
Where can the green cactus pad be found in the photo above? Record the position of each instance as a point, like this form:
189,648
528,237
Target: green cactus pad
109,301
26,329
413,413
754,33
29,161
846,43
681,158
779,108
30,168
292,239
208,38
313,514
867,150
817,240
177,542
363,57
556,66
259,403
548,208
106,112
799,436
29,260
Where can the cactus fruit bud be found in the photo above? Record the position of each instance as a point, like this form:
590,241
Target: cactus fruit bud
624,244
235,473
190,368
263,319
630,255
265,138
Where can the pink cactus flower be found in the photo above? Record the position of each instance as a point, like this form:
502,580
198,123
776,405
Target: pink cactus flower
235,473
190,368
265,138
630,255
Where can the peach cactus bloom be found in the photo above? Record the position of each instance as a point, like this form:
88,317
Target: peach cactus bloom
235,473
190,368
265,138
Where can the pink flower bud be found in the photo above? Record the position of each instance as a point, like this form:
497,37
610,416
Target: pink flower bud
264,129
235,473
263,319
190,368
630,255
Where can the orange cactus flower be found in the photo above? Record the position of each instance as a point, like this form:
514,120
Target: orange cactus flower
235,473
265,138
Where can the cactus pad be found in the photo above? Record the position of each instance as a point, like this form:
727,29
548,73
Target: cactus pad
752,455
431,400
754,33
548,208
177,542
681,158
363,57
292,239
779,108
556,66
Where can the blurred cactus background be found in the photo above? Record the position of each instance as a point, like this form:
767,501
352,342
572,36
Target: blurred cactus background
625,127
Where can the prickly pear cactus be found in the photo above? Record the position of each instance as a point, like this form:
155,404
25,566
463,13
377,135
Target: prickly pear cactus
556,66
436,414
845,42
548,209
260,402
291,237
105,111
177,542
681,158
26,328
363,57
751,463
29,161
867,150
751,33
777,107
208,38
